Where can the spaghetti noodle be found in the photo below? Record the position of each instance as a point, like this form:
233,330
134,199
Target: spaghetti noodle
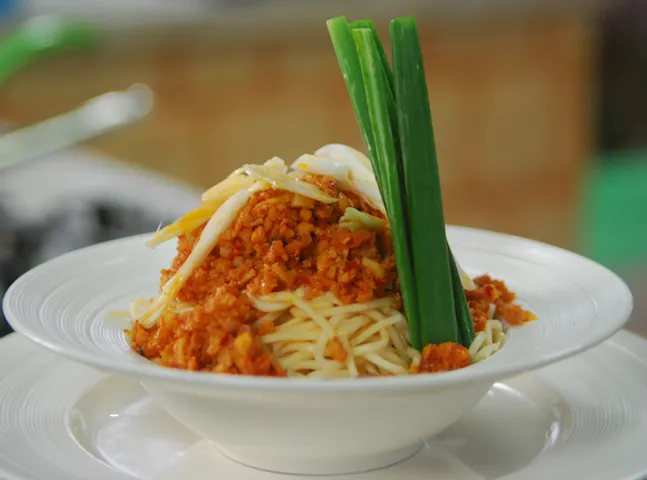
324,338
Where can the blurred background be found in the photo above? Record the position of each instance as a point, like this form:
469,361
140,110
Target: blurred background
540,110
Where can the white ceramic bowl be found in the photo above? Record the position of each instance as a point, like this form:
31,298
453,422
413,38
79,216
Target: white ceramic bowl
308,426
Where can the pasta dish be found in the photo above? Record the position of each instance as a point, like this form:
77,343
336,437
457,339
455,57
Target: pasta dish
337,265
291,271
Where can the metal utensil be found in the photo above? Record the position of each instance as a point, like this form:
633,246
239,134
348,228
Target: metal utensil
95,117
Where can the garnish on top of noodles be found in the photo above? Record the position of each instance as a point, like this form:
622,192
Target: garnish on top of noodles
337,265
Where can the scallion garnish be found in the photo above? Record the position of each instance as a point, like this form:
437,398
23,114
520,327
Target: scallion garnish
463,315
422,187
377,97
392,109
344,45
385,61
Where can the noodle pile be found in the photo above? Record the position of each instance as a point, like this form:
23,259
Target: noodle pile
324,338
489,341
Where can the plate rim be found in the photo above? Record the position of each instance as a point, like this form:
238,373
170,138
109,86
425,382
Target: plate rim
628,341
399,384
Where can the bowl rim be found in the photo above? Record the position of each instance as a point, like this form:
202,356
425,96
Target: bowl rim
148,371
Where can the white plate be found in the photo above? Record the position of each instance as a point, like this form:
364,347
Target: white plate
585,417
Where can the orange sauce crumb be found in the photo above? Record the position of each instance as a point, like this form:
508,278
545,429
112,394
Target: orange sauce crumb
489,291
444,358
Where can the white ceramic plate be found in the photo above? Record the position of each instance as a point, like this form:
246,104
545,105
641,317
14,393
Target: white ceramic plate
585,417
62,305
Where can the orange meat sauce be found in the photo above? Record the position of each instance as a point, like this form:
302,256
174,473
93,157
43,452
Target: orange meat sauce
281,241
489,291
442,358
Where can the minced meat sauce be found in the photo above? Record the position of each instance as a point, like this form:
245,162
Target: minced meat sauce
282,241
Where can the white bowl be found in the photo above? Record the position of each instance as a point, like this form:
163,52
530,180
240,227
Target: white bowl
308,426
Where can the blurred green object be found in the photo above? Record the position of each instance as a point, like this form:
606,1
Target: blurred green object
42,35
615,210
